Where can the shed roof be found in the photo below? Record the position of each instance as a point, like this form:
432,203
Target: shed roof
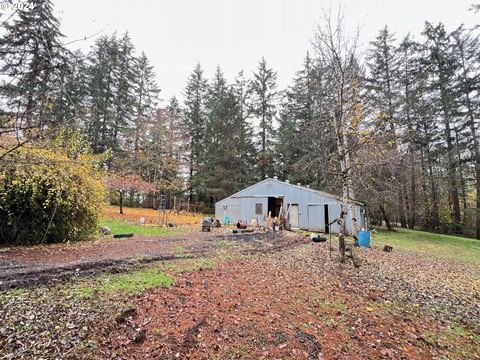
303,188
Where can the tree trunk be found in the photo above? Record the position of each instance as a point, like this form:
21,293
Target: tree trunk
403,218
407,203
413,197
342,154
452,174
460,172
130,198
121,202
477,212
433,225
452,170
386,218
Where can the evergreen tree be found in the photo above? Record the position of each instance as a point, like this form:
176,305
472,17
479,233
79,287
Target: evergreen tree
468,102
32,59
101,94
214,173
264,96
384,95
229,147
297,144
409,78
124,79
382,83
163,152
441,66
145,94
194,122
246,147
69,97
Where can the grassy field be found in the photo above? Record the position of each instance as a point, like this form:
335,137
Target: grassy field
122,227
437,245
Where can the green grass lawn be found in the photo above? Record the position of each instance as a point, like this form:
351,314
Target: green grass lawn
438,245
119,227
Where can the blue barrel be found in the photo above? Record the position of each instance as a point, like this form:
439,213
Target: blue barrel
364,238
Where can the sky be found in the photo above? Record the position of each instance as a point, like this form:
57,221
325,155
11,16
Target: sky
235,34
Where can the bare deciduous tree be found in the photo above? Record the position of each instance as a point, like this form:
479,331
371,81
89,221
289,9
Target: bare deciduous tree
338,54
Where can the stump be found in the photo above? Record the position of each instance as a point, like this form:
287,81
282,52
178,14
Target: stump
387,248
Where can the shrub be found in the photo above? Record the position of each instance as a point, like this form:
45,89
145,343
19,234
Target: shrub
49,196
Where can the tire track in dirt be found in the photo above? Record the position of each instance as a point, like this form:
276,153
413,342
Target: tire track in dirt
16,274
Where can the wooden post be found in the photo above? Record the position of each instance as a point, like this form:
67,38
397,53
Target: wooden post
121,202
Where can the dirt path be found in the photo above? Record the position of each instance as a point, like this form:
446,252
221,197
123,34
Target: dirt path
28,266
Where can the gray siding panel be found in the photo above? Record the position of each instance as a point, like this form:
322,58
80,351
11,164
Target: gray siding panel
316,216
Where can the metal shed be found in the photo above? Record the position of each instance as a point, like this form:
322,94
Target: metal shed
308,209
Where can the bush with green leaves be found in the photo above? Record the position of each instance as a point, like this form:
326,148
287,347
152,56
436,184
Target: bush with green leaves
51,194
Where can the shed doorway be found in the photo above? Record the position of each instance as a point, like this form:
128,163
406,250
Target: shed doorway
274,205
327,220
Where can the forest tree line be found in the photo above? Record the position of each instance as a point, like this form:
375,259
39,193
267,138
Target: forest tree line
411,139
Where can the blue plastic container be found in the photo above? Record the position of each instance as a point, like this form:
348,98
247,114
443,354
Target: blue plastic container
364,238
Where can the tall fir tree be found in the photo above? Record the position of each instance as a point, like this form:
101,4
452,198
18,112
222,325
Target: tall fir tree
384,96
409,78
466,44
264,99
69,97
244,129
194,120
145,98
229,147
101,93
442,66
32,60
123,101
383,85
297,146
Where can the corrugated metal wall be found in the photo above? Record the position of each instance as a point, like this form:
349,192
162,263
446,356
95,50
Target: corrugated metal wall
311,204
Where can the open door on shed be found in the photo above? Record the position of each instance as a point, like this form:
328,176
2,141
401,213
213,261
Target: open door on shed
327,221
274,205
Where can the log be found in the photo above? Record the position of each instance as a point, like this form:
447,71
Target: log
117,236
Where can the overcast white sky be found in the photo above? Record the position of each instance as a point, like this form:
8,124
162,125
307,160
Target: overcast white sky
235,34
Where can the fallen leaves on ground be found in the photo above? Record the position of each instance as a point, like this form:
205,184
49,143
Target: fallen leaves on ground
153,216
300,304
278,303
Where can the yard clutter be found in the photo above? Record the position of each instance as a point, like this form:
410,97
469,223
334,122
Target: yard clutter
106,230
207,224
317,238
387,248
364,238
118,236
